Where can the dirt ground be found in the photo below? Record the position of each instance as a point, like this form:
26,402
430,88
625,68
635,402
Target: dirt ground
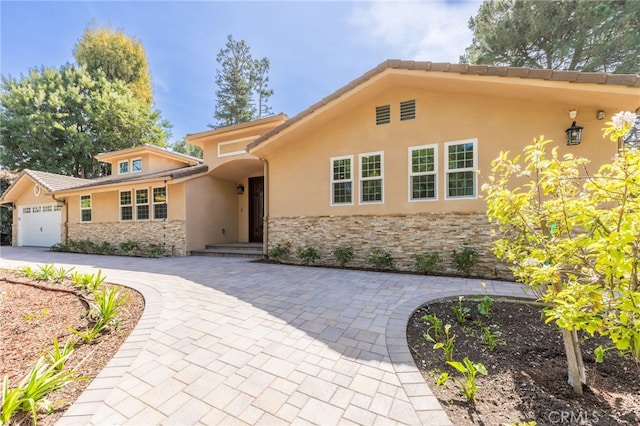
527,370
31,316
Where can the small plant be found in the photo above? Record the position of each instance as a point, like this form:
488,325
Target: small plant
437,325
469,370
61,273
11,401
491,338
484,305
59,355
155,250
381,260
447,343
343,255
33,316
46,272
108,303
428,263
88,282
461,312
129,246
465,260
308,255
280,252
27,272
88,335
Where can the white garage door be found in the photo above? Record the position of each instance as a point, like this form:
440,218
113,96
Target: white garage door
39,225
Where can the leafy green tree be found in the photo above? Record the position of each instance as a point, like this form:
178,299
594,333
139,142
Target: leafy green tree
184,147
574,237
6,213
118,56
56,120
242,82
583,35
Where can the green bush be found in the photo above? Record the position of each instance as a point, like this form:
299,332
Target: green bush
343,255
380,259
465,260
308,255
428,263
280,252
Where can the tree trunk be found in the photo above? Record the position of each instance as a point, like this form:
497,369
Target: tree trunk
577,375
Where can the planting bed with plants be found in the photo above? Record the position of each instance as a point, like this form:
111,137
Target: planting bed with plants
525,365
59,329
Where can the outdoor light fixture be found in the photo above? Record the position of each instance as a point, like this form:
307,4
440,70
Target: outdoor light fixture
572,114
600,115
240,187
574,134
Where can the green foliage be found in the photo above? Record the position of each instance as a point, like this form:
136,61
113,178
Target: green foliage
464,260
88,282
280,252
103,50
491,338
559,35
484,306
469,371
184,147
446,343
88,335
31,316
129,246
27,271
437,326
108,303
308,255
57,355
381,260
6,213
242,82
461,312
428,263
11,401
45,272
126,248
574,236
343,255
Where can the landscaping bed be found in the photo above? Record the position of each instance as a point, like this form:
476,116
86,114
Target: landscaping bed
527,370
35,312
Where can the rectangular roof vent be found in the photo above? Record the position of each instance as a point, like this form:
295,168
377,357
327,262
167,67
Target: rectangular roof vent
383,114
408,110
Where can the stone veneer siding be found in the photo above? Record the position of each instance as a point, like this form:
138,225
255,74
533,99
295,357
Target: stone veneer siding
171,234
400,235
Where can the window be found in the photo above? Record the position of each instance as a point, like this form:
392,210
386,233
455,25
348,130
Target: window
85,208
461,165
383,114
160,203
423,169
126,206
26,210
136,165
142,204
123,167
408,110
341,180
371,176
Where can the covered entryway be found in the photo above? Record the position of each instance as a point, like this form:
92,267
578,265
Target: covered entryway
39,225
256,209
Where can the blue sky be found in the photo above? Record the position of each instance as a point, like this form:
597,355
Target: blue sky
314,47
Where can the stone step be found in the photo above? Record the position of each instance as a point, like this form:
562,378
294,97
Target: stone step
215,252
236,246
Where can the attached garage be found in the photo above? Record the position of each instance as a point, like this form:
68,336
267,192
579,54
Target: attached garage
39,225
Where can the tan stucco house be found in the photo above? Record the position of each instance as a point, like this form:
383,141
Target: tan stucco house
393,160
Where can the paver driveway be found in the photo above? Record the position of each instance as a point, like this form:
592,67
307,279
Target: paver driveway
229,341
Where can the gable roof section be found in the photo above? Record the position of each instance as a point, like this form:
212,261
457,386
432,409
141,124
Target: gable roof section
51,182
146,148
626,80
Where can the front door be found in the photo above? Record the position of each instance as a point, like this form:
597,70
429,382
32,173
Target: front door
256,209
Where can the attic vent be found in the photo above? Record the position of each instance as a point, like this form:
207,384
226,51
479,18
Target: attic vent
383,115
408,110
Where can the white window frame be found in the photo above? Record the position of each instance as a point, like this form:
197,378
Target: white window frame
131,165
153,202
412,174
363,179
120,205
86,208
128,167
350,180
136,205
473,169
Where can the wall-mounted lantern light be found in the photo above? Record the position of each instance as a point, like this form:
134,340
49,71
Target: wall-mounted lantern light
574,134
240,189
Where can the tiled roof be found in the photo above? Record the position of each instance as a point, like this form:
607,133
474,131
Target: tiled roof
630,80
52,182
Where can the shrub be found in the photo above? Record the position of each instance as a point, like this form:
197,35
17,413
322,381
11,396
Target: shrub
279,252
343,255
128,247
107,306
308,255
380,259
469,370
428,263
465,260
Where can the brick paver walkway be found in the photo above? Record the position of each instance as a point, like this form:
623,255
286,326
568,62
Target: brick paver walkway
229,341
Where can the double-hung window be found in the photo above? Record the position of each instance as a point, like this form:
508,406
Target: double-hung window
342,180
123,167
142,204
85,208
371,177
423,173
126,206
461,159
160,203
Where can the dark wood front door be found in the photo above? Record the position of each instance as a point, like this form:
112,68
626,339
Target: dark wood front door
256,209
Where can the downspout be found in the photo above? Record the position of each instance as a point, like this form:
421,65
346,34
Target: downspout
265,217
66,217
